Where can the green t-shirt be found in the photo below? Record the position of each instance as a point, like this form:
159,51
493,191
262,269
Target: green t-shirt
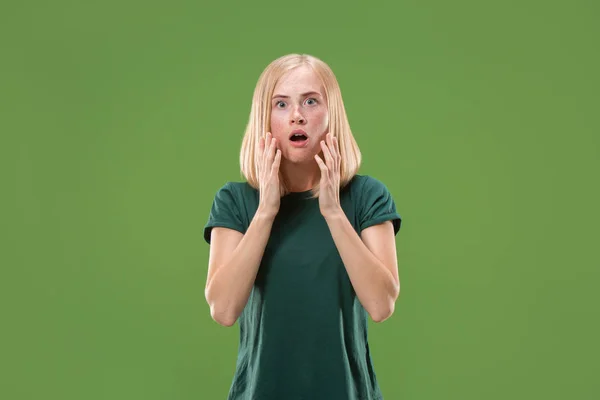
303,332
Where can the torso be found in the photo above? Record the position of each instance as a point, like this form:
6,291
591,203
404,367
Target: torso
303,332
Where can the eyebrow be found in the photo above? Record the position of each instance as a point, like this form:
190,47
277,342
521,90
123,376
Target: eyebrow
303,94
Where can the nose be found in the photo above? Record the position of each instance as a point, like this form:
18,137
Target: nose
297,118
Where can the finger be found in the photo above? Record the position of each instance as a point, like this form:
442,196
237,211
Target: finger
266,146
276,162
331,142
267,141
327,155
333,145
271,152
261,150
336,146
337,155
322,166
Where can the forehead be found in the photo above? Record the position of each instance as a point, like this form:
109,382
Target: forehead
301,79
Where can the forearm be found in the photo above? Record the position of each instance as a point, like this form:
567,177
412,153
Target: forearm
373,283
229,289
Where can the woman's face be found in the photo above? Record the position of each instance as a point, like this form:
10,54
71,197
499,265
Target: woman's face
299,105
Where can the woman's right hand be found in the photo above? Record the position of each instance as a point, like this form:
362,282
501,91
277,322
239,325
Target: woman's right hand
268,160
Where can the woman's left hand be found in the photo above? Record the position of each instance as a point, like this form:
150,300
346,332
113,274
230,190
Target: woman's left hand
329,191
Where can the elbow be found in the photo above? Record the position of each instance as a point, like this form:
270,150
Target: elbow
221,315
384,310
222,318
382,313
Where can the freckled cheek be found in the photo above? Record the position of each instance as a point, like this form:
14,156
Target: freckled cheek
322,119
278,126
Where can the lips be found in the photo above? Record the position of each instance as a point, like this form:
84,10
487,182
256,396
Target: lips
298,138
298,135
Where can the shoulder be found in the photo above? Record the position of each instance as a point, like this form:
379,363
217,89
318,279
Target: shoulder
235,190
364,185
231,207
234,186
237,197
374,202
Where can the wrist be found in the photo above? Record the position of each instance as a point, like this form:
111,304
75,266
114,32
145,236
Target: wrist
265,214
334,214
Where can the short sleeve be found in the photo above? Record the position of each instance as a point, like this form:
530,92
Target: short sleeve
224,212
377,205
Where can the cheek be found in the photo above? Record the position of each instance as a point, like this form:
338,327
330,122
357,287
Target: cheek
323,119
277,125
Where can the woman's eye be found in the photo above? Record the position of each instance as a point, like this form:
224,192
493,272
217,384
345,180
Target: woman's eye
311,100
278,103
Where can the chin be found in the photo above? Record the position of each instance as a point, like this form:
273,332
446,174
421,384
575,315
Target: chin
305,158
299,160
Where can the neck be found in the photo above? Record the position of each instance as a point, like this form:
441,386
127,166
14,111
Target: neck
300,177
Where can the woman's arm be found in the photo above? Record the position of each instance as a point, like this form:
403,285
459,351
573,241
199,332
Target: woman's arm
233,264
370,259
371,263
235,257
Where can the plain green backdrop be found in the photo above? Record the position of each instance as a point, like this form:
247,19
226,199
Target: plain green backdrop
121,119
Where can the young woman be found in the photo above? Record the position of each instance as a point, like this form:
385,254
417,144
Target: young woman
303,251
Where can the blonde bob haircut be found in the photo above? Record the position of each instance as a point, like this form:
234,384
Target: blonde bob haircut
259,122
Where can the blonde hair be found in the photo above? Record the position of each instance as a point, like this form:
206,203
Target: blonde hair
260,118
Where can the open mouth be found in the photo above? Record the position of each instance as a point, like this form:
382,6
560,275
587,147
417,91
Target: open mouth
298,137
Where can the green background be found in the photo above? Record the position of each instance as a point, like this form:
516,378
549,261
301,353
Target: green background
121,119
